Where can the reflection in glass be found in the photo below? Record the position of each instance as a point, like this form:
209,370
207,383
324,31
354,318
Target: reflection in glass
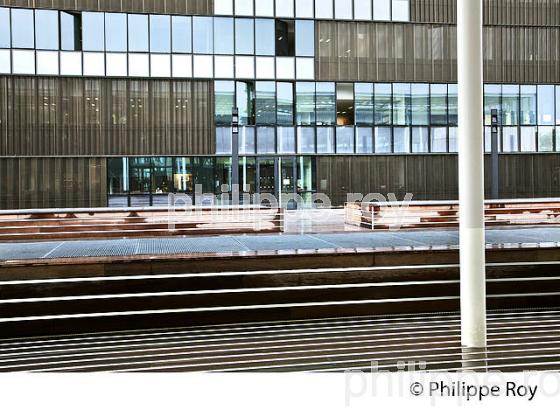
181,34
452,139
452,104
325,103
224,99
363,103
401,104
46,32
344,140
324,9
420,103
343,9
285,8
382,140
264,8
202,35
438,139
528,139
115,32
362,10
223,35
401,139
23,62
93,31
325,140
5,38
266,140
285,103
286,140
438,104
22,28
223,7
420,139
545,107
47,62
304,9
383,104
364,140
305,103
139,65
509,140
246,102
160,65
510,104
243,7
223,140
400,10
546,139
246,140
265,40
306,140
492,101
382,10
160,34
305,38
244,36
528,105
138,33
266,102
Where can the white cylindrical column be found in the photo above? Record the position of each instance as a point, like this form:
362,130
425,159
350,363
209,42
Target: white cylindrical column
471,173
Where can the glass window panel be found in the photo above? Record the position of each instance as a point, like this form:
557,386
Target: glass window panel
22,28
528,105
545,109
325,103
160,34
305,68
383,140
285,103
265,40
546,139
364,140
5,62
305,38
202,35
139,65
244,67
223,140
138,33
420,103
344,140
452,139
245,99
71,63
264,8
266,102
285,8
182,65
452,109
116,65
439,139
420,139
286,140
304,9
243,7
203,66
343,9
401,104
324,9
492,101
265,67
223,35
115,32
244,36
510,140
401,139
438,104
285,40
382,10
363,103
344,104
224,7
224,92
510,104
266,140
383,104
94,64
160,65
23,61
325,140
528,139
487,139
305,103
306,140
224,67
246,140
181,34
285,69
47,62
557,104
46,32
362,10
5,38
92,31
400,10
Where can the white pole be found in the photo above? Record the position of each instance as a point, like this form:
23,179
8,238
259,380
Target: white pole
471,173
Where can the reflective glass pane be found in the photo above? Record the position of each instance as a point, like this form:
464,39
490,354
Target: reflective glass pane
420,103
438,104
363,103
264,8
401,104
528,139
265,40
285,8
362,10
304,8
344,140
285,40
401,139
266,140
439,139
5,38
246,102
224,92
452,104
246,140
306,140
382,10
383,104
324,9
160,65
22,28
325,103
265,67
305,103
224,67
46,32
181,35
266,102
243,7
202,35
420,139
546,139
223,140
343,9
528,105
558,104
244,36
47,62
400,10
364,140
223,35
285,69
509,140
286,140
510,104
492,101
305,38
545,109
285,103
223,7
382,140
160,34
92,31
115,32
452,139
244,67
325,140
138,33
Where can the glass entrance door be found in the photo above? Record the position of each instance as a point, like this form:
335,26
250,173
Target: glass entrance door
267,176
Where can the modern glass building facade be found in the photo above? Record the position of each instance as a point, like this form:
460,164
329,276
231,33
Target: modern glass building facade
106,104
